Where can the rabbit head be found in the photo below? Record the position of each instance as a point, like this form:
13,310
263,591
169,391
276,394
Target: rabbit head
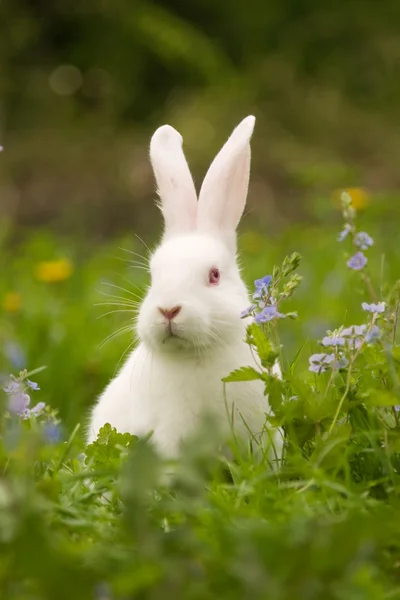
196,292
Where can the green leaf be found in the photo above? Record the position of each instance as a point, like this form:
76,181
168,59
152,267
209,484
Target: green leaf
257,338
243,374
290,263
382,398
297,356
109,447
274,389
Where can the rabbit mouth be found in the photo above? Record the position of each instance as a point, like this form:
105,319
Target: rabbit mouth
171,331
173,341
174,338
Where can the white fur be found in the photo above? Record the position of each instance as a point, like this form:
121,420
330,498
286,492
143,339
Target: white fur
169,382
174,181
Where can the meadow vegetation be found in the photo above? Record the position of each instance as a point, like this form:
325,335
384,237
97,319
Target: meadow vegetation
103,522
84,85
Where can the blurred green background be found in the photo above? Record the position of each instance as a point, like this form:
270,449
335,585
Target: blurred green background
83,87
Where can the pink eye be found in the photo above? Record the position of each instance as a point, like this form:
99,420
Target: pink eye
213,277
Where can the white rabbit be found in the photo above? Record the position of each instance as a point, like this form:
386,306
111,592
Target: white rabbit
189,326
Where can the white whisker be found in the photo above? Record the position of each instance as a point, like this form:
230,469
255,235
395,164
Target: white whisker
131,262
118,287
144,258
140,289
137,266
115,334
117,310
144,243
115,297
131,303
133,343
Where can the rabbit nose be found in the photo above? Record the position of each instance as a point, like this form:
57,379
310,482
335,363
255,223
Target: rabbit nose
170,313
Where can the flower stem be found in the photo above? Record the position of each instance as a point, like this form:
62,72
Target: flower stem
342,399
346,391
370,287
396,320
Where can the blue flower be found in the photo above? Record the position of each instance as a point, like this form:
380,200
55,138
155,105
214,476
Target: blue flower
34,386
13,387
268,313
373,335
264,282
18,404
52,433
354,331
374,308
247,311
38,409
363,240
259,295
333,340
320,362
261,286
341,362
343,234
357,262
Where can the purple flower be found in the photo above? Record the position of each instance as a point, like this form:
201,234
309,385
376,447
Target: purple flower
357,262
363,240
354,331
18,403
268,313
38,409
34,386
14,387
259,295
374,308
262,283
261,286
247,311
341,362
373,335
320,362
1,148
343,234
52,433
397,408
333,340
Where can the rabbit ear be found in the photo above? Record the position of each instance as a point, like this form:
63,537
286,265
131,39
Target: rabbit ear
178,199
223,194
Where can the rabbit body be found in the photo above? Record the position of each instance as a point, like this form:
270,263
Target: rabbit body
189,326
158,394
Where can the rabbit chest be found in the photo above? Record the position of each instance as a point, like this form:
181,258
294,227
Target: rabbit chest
169,394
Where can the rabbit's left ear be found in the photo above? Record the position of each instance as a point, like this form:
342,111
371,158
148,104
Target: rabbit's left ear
224,191
178,199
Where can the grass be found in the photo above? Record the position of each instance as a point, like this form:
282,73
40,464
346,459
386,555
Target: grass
109,524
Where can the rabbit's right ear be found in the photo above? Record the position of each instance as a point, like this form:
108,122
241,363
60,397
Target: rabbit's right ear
178,199
223,194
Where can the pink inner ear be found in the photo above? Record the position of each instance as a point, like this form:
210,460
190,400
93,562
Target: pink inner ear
178,199
223,194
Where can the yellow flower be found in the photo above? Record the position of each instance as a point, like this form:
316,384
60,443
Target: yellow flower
54,270
359,197
12,302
